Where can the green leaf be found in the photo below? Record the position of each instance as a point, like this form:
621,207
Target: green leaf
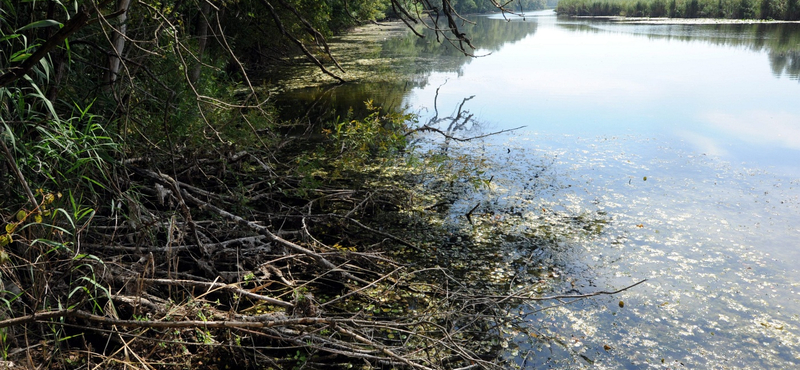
9,37
40,24
19,57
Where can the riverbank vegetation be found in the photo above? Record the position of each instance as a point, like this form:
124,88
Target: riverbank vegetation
157,214
787,10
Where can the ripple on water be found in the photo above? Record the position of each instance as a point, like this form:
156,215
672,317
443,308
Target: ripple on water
716,242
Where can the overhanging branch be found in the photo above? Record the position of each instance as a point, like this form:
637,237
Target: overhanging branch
71,26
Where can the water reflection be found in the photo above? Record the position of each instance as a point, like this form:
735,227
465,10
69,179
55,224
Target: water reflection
715,243
398,64
638,126
781,42
702,86
685,136
785,64
774,128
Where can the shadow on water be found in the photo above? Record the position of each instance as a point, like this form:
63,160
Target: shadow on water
324,103
510,222
785,64
400,64
514,227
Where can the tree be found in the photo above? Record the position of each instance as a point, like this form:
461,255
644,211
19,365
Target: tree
792,10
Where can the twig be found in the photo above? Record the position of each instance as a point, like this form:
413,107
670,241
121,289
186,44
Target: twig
462,139
362,288
80,314
266,232
18,173
230,287
297,42
382,348
565,296
469,214
390,236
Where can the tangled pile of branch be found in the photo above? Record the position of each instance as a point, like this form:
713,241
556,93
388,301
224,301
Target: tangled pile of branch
199,271
233,270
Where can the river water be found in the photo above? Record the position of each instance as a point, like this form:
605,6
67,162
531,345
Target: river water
685,136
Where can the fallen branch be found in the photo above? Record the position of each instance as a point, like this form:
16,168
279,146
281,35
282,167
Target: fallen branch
557,297
228,287
250,224
80,314
462,139
390,236
266,232
382,348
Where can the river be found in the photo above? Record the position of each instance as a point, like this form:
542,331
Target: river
685,136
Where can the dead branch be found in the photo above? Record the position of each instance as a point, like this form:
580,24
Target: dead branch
461,139
296,41
273,321
221,286
561,296
266,232
390,236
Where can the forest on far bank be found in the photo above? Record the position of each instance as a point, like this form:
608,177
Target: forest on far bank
784,10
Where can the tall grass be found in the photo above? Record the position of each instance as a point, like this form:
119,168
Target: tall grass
731,9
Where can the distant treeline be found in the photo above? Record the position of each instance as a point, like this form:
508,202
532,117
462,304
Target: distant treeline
733,9
479,6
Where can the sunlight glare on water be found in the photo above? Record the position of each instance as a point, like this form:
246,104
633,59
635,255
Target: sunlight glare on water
717,247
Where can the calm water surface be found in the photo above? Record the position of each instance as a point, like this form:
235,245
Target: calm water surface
687,137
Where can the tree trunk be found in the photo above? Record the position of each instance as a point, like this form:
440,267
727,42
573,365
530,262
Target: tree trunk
118,42
202,37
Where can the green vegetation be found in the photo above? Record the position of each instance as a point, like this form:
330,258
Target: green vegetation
478,6
788,10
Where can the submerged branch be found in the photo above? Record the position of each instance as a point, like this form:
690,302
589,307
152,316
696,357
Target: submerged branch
563,296
462,139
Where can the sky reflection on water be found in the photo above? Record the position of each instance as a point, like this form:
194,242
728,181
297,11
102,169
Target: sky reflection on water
690,141
709,115
611,80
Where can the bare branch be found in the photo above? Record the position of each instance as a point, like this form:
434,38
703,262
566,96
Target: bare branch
222,286
297,42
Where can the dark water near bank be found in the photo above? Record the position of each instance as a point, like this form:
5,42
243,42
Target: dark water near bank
686,136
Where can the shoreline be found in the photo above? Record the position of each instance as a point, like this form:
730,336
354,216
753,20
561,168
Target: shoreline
678,21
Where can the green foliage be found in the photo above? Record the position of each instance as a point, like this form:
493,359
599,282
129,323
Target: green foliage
736,9
745,10
792,9
351,145
479,6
